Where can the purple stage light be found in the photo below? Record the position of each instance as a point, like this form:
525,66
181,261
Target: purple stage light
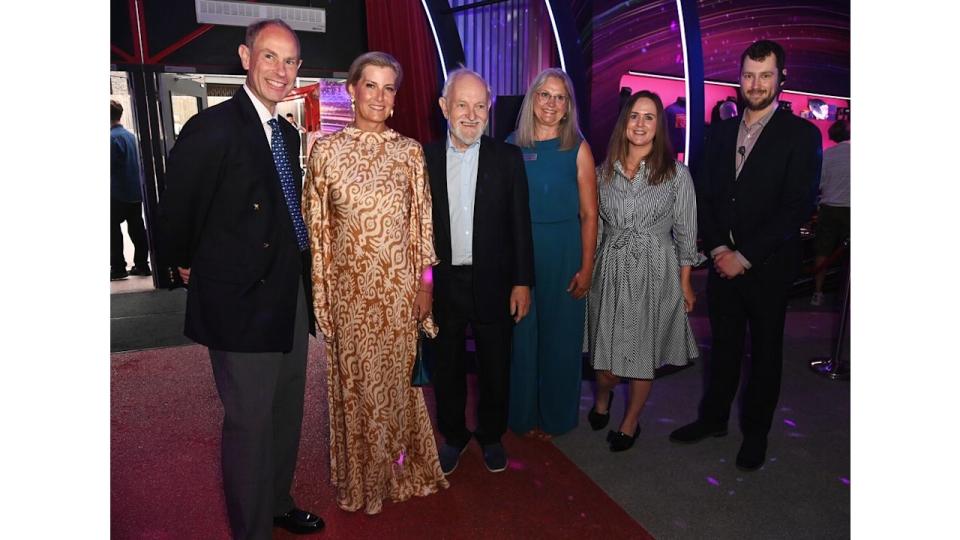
790,423
713,481
516,465
845,480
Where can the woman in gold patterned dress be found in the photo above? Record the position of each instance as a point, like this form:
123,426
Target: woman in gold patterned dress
367,208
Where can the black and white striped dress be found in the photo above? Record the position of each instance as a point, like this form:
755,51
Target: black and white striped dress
636,318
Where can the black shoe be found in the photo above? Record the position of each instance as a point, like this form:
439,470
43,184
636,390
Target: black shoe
620,441
118,274
697,431
599,421
299,521
141,270
752,454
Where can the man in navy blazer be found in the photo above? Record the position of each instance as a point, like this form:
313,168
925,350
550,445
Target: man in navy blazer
229,222
482,235
757,187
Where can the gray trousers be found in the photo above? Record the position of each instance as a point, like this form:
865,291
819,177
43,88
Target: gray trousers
262,396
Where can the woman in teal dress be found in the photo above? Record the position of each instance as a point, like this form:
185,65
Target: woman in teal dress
561,176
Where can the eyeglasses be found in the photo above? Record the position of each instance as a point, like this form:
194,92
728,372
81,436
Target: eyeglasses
544,97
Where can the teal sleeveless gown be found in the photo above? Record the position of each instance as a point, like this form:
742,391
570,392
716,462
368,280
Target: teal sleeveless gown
548,343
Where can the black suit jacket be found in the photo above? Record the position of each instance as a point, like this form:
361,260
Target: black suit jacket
773,196
223,215
502,240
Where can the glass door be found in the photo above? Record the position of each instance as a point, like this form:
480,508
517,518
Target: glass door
181,97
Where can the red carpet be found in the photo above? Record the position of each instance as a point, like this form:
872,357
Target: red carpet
165,470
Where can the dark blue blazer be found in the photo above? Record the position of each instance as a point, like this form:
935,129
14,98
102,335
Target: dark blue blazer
223,215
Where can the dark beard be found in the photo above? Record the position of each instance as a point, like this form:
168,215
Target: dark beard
759,106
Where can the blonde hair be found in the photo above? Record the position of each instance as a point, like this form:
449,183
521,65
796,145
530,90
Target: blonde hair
373,58
570,135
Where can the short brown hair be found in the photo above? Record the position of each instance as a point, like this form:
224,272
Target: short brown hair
116,111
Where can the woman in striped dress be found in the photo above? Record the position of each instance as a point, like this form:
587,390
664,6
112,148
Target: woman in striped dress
641,291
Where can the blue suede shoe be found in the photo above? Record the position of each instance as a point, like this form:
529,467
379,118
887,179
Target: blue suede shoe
494,457
450,457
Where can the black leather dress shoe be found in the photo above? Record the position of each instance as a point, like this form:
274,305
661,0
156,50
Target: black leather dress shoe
141,270
752,454
299,521
697,431
599,421
620,441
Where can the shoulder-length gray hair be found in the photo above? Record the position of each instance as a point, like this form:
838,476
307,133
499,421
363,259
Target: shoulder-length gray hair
570,135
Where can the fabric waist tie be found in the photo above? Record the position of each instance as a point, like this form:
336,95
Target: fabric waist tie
644,250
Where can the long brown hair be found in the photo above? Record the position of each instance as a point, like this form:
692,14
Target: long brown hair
660,160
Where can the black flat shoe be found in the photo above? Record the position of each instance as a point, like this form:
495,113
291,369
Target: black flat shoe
299,521
697,431
599,421
620,441
752,454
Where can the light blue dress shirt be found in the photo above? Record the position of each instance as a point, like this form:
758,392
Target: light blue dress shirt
461,190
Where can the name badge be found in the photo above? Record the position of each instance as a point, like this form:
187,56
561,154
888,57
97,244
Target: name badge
530,157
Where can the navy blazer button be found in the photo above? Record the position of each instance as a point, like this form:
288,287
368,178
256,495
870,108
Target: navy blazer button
262,281
256,206
266,245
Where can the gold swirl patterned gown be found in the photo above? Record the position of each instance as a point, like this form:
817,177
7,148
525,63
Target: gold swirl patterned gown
366,203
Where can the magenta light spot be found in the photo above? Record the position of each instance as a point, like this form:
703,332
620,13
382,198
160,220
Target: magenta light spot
582,515
713,481
789,422
538,483
845,480
569,497
400,460
516,465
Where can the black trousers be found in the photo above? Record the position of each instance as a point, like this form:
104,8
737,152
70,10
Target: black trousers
757,299
455,308
130,212
262,396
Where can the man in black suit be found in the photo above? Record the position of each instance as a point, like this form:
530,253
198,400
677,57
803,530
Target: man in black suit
230,221
481,220
759,182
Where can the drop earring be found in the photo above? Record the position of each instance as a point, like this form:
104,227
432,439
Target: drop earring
391,113
353,104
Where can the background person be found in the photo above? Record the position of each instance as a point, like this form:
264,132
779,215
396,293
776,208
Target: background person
125,199
833,219
548,343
